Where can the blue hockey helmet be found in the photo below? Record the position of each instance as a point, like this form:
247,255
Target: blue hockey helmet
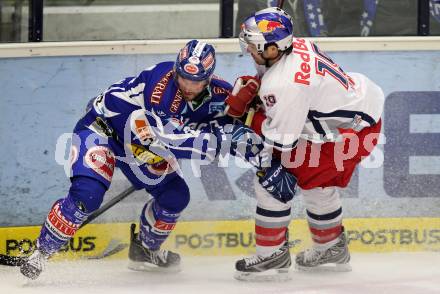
196,61
267,26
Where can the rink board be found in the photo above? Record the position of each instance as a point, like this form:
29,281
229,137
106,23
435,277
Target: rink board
216,238
401,179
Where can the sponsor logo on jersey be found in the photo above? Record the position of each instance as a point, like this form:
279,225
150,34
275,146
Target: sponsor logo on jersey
208,61
302,75
268,26
143,130
144,155
160,168
176,102
102,160
160,87
191,68
219,90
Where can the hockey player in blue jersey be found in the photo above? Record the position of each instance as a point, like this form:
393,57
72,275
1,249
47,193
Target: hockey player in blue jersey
173,110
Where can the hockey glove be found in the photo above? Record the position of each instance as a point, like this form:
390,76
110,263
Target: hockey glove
278,182
244,91
244,143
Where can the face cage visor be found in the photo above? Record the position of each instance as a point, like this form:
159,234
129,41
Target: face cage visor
247,48
243,44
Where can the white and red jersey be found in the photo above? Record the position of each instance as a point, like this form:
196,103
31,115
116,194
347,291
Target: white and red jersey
306,95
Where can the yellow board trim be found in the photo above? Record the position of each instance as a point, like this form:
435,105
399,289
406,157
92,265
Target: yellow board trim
237,237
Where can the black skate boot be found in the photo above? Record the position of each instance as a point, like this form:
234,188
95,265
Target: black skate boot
333,258
144,259
34,264
274,267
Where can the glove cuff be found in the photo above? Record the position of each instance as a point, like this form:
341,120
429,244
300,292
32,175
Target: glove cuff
235,107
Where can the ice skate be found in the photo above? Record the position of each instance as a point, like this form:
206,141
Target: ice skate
334,258
274,267
144,259
34,265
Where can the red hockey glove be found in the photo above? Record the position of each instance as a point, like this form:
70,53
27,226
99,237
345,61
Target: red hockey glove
244,91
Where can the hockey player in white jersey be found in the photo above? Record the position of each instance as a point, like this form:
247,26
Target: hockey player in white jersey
321,122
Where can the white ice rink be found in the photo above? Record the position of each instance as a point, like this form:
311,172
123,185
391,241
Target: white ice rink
372,273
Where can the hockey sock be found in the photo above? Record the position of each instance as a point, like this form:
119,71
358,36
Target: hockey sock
325,228
67,215
156,224
63,220
270,229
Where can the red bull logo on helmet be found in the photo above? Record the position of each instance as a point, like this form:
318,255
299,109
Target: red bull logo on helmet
268,26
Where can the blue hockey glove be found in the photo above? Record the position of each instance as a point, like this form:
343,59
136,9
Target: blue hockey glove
278,182
245,143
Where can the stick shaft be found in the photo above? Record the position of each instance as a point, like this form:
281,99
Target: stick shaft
109,205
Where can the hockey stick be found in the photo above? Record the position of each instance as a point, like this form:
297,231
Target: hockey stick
251,112
18,260
109,205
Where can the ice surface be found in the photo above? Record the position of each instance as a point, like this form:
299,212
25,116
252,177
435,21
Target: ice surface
372,273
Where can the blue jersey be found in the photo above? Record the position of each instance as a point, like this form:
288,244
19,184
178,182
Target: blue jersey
127,126
150,110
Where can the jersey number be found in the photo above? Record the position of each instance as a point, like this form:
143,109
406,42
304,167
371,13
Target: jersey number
325,65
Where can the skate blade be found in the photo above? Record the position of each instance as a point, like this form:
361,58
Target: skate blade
273,275
148,267
330,267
